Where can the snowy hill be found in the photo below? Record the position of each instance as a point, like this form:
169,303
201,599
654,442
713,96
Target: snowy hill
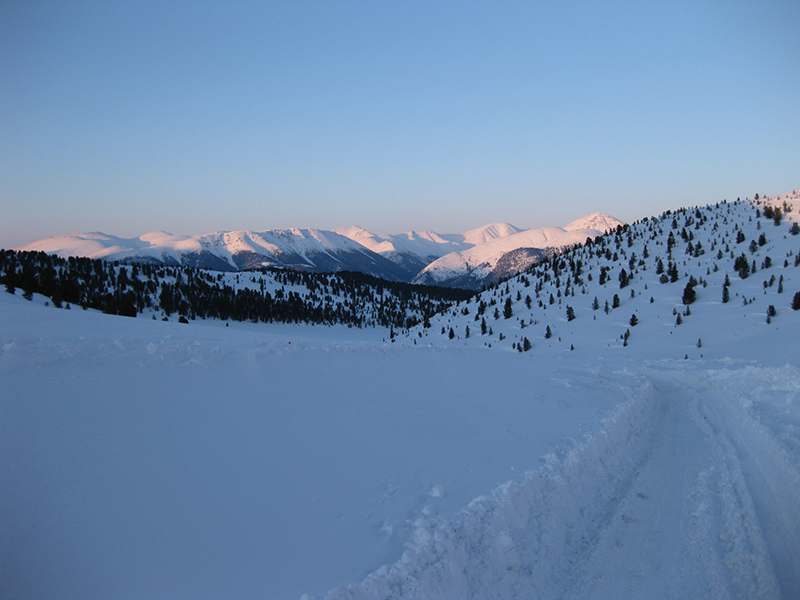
703,244
604,459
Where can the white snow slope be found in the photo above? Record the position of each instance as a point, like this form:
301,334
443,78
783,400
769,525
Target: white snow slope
144,459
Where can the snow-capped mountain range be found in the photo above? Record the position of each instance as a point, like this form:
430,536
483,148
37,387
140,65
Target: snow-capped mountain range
469,259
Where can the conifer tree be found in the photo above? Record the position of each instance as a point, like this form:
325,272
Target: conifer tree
507,310
689,293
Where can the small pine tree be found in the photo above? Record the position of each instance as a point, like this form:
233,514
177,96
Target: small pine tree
689,293
507,310
548,333
726,295
796,301
634,320
623,278
570,313
526,344
673,273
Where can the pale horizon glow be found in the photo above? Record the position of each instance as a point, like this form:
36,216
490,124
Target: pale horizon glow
189,117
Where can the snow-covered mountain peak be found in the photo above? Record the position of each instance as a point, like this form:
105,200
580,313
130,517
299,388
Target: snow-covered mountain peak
599,221
489,232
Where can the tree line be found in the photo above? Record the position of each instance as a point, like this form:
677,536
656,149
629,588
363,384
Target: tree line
262,296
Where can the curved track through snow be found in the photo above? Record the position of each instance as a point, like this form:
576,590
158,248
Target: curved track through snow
692,491
689,525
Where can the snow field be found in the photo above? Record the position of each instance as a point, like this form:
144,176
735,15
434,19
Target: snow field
203,461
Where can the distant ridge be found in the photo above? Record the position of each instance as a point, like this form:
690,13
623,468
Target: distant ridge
469,259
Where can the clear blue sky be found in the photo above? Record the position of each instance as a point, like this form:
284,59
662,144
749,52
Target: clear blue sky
189,117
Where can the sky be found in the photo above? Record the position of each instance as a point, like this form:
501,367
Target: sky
192,117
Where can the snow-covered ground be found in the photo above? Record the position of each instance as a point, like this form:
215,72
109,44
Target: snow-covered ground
149,459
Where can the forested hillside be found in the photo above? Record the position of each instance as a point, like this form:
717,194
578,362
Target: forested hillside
267,295
694,275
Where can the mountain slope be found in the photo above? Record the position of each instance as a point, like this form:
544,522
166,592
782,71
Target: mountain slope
478,266
652,259
412,251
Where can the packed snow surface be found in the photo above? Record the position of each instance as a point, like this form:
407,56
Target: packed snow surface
150,459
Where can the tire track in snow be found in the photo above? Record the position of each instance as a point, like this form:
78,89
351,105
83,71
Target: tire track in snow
763,463
682,495
693,522
641,551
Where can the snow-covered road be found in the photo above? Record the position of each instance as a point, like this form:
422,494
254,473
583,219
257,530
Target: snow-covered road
703,503
710,512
